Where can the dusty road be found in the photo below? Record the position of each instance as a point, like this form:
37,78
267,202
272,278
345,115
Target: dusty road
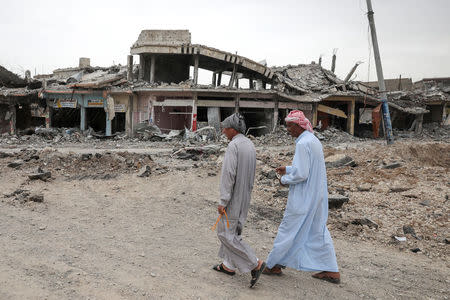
150,238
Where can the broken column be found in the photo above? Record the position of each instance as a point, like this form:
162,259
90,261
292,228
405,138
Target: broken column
275,116
130,67
236,104
152,68
83,119
214,117
141,66
351,117
12,119
196,58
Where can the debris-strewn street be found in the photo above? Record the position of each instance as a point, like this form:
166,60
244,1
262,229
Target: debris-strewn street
125,218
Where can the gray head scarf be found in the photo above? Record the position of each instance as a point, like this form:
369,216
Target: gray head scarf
235,121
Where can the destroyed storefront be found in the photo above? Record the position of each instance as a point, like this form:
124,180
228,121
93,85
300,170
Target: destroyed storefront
82,97
104,114
196,108
20,109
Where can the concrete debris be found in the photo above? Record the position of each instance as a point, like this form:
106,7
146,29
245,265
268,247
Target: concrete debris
336,201
339,160
23,196
145,171
407,229
392,165
399,238
41,175
365,221
16,164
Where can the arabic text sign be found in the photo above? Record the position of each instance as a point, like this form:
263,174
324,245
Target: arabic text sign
65,103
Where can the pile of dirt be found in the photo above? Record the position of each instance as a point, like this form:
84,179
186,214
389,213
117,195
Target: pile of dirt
105,165
389,188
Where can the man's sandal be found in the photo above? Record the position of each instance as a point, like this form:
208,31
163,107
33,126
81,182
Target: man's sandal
256,274
328,276
220,268
274,271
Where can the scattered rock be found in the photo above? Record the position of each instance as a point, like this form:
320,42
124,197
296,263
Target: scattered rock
399,189
336,201
41,174
365,187
407,229
339,160
86,156
281,193
425,203
15,164
145,171
36,198
4,154
392,165
365,221
399,238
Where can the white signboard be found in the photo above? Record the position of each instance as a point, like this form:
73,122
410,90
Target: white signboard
65,103
120,108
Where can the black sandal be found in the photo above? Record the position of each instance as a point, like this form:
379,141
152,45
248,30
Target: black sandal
220,268
256,274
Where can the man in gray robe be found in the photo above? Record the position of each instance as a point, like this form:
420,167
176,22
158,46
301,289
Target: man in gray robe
236,184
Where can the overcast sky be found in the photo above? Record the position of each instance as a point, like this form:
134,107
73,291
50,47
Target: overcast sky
413,35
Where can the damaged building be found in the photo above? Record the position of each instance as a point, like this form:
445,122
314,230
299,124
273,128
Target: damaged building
81,97
20,107
163,89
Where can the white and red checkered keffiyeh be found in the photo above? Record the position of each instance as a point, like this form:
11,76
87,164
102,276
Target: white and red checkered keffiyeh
298,117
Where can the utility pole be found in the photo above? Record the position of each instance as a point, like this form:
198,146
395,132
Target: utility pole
381,84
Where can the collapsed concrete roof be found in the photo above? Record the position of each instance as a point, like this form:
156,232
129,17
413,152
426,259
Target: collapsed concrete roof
89,77
10,80
306,78
179,42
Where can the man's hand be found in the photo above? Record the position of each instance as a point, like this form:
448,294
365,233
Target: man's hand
221,209
281,170
279,179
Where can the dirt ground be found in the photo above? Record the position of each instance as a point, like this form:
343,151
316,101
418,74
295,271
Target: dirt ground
102,232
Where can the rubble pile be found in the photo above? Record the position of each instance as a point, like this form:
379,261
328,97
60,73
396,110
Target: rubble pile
305,78
384,191
77,166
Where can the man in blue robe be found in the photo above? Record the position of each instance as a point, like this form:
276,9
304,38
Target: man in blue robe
303,241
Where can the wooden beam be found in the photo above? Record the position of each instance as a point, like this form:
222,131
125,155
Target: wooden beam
331,111
236,104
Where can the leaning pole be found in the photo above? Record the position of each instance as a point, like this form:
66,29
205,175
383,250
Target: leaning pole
381,84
